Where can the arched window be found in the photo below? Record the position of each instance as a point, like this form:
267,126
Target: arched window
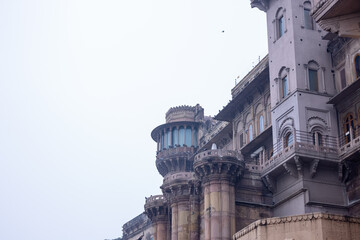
261,123
284,82
284,87
313,68
357,66
308,20
288,140
348,126
280,23
250,132
317,139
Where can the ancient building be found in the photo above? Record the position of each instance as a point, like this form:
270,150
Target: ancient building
281,159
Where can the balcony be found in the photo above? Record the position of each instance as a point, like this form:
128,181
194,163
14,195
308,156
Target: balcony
178,159
304,145
217,154
337,16
175,151
349,144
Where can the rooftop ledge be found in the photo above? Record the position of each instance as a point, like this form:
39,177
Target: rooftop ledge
218,154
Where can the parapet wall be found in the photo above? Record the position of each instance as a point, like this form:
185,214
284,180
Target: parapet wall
314,226
185,114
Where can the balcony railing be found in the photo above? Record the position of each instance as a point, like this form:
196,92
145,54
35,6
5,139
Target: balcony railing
304,143
349,142
175,152
222,153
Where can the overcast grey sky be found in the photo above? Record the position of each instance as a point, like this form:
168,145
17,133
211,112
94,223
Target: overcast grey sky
82,85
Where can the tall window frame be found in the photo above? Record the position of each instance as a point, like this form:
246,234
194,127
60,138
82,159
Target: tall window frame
357,66
280,23
261,123
288,139
250,132
308,20
313,76
284,87
348,125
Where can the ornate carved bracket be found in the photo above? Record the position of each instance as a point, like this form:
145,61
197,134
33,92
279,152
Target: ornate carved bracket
269,183
262,5
290,169
313,167
344,26
298,166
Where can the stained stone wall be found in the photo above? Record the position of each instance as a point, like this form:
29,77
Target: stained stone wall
315,226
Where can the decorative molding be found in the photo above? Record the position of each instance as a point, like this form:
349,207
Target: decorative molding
290,169
262,5
313,167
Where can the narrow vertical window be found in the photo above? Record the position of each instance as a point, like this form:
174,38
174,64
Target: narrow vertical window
162,141
250,133
348,127
357,66
343,78
288,140
281,25
167,140
313,80
181,136
175,137
241,140
261,123
188,137
317,139
284,85
308,20
195,137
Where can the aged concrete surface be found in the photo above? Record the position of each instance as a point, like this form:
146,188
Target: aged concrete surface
314,226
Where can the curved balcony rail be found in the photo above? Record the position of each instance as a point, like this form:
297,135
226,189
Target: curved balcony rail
171,152
349,143
218,153
156,198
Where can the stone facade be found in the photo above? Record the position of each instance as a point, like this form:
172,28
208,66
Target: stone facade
280,160
314,226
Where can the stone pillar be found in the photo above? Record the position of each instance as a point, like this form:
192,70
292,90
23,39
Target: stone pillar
219,210
207,211
161,230
215,210
218,171
156,208
174,221
194,217
183,220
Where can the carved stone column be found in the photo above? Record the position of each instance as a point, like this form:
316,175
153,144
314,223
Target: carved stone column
218,171
157,211
180,193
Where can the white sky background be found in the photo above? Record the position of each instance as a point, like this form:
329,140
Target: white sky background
82,85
